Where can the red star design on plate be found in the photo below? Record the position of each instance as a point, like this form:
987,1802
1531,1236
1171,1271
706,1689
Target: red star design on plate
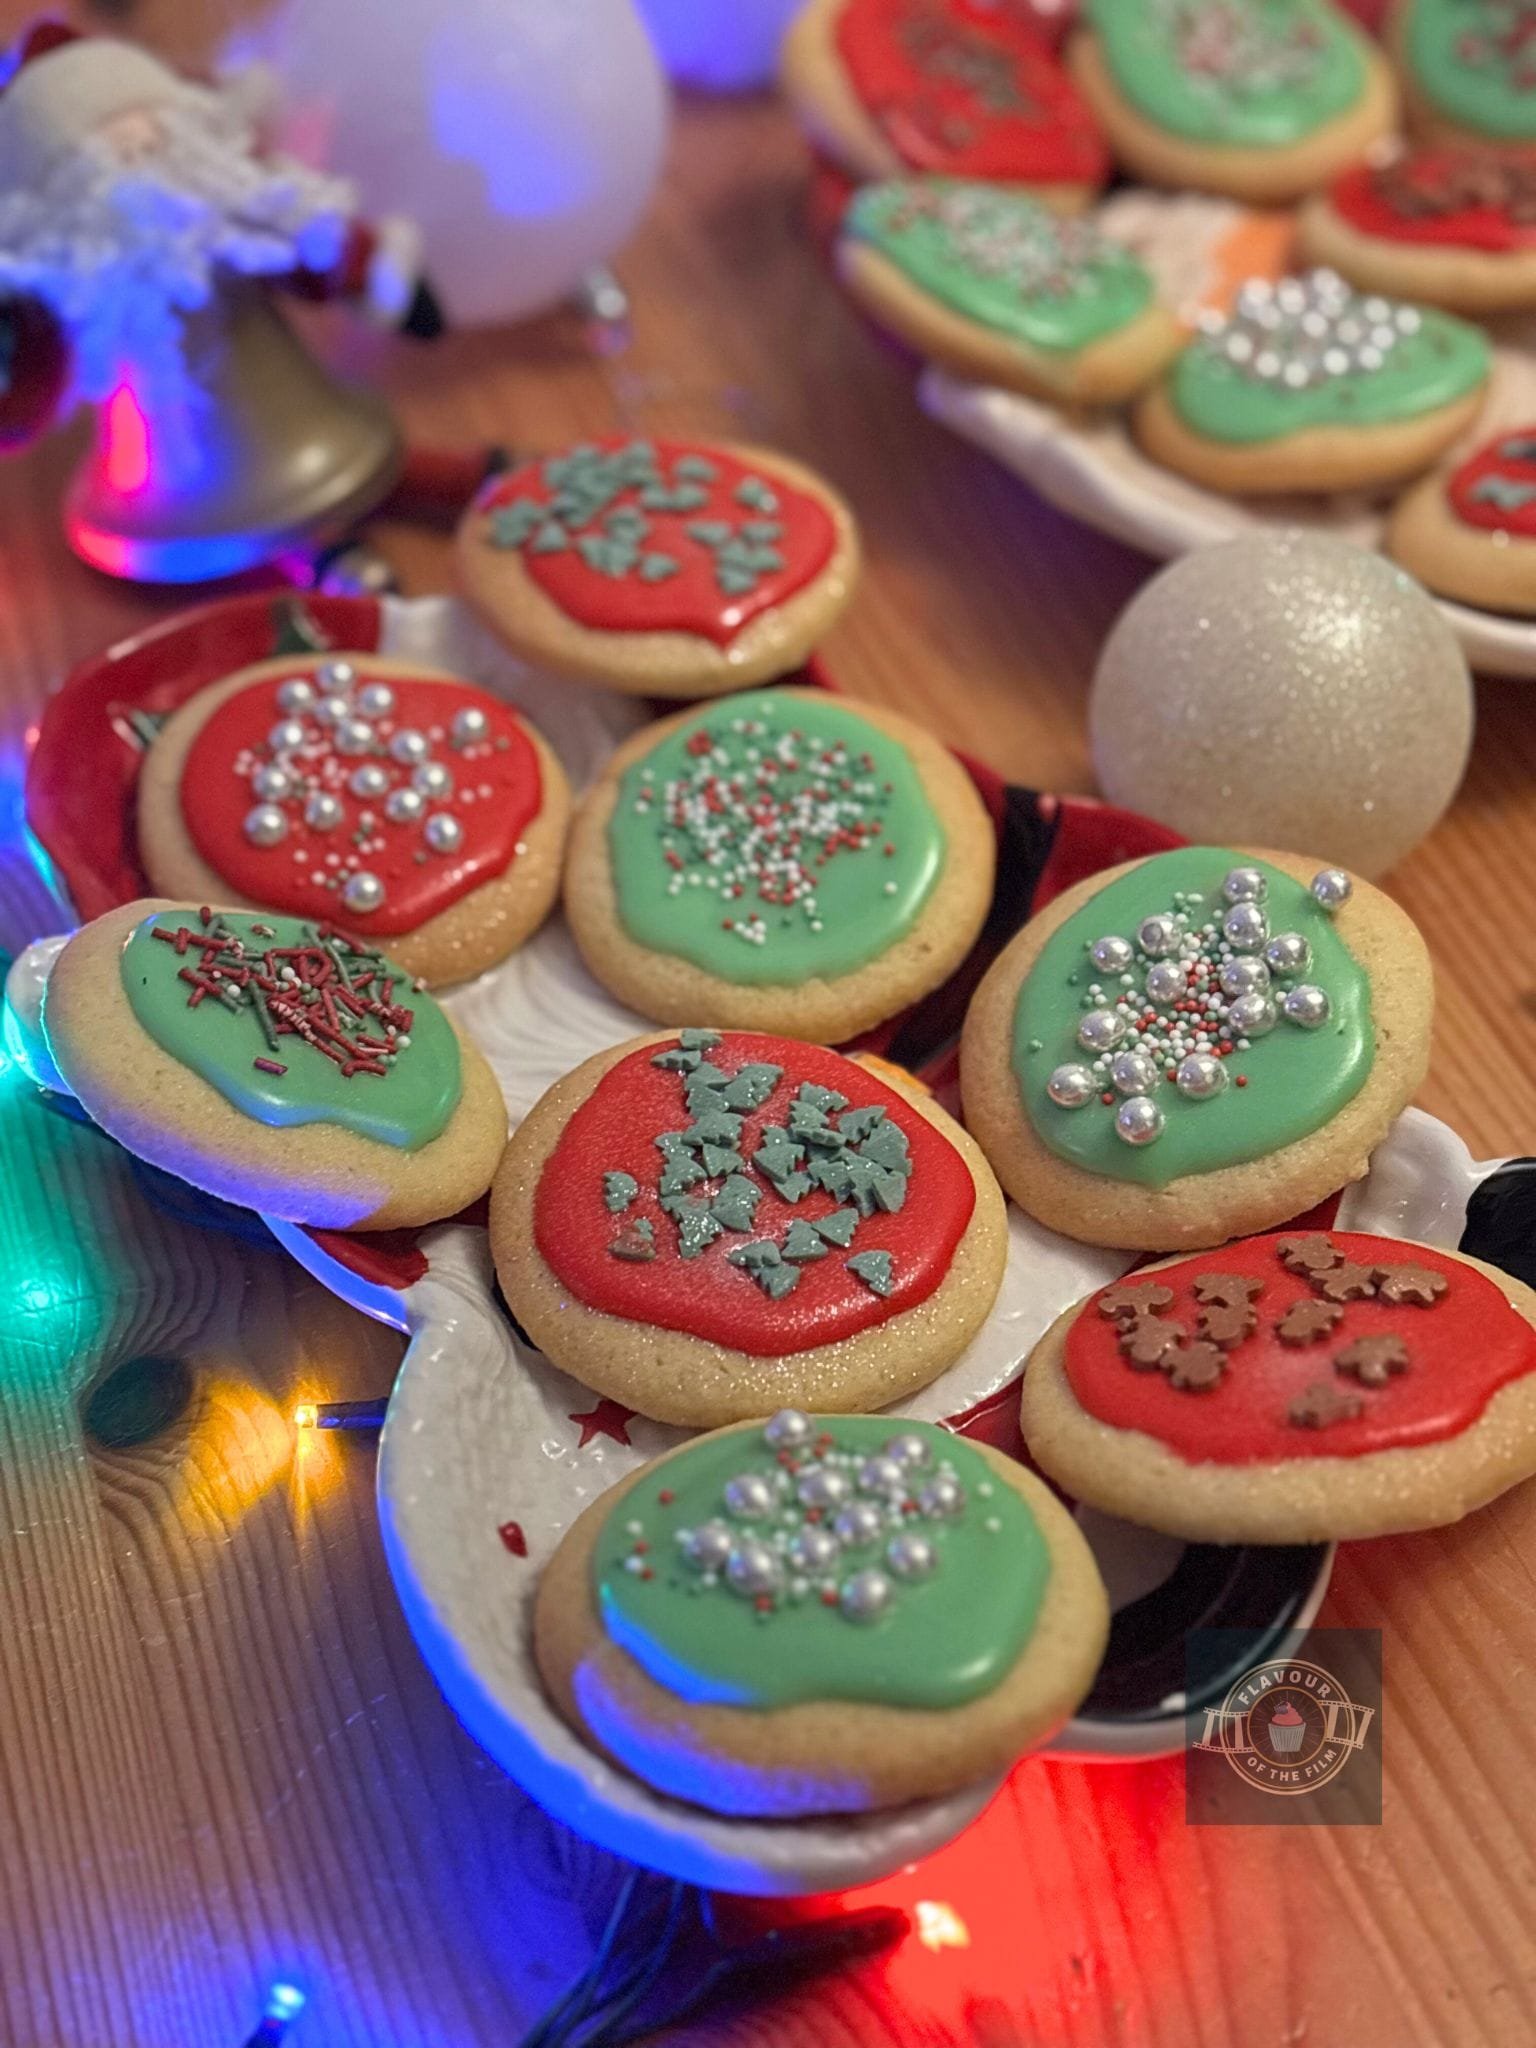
511,1534
608,1418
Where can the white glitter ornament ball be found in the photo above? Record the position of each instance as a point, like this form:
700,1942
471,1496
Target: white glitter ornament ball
1284,690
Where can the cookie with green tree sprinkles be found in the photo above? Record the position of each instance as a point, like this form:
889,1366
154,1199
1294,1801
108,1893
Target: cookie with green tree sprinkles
1471,65
1204,1035
279,1063
660,564
867,1561
834,1228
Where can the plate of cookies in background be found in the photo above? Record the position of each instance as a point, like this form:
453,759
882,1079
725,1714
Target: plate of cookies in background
1305,299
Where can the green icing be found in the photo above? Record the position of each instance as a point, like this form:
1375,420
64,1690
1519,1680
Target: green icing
999,258
939,1639
1475,61
396,1077
752,841
1309,352
1295,1079
1258,74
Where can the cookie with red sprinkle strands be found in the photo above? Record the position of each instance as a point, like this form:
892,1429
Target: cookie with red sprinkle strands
281,1063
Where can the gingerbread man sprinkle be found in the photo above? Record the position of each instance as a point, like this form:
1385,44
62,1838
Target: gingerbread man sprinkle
1346,1282
1411,1286
1226,1324
1373,1360
1133,1298
1194,1368
1323,1404
1146,1342
1310,1254
1308,1322
1226,1290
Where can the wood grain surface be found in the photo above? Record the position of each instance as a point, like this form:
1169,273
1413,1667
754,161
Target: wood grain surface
221,1760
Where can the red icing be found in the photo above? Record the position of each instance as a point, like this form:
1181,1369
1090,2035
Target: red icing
691,601
706,1296
1503,470
959,87
496,795
1443,198
1463,1350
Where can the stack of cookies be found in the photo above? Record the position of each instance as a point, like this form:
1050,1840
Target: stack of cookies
1351,361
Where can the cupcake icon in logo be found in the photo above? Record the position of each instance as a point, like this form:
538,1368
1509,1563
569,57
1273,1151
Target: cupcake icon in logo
1286,1728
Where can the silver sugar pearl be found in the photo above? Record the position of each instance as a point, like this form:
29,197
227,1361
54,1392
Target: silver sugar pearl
942,1496
295,695
1166,981
323,812
364,891
332,710
1332,888
433,780
369,780
708,1546
1111,955
752,1569
469,725
1245,928
265,826
1251,1016
273,783
1307,1005
1245,976
789,1428
822,1487
859,1523
443,832
751,1496
1133,1073
865,1596
405,806
1100,1030
1158,936
338,675
409,746
1071,1086
911,1554
1138,1120
354,736
1288,953
287,734
375,700
814,1549
881,1474
1199,1076
1244,885
909,1449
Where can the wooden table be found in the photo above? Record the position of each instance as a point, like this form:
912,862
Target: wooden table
221,1760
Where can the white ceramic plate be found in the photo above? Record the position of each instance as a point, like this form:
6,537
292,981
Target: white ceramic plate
481,1433
1094,470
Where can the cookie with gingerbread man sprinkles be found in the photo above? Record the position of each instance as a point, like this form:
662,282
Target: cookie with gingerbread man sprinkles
704,1224
660,568
279,1062
398,801
961,88
1309,385
783,860
1469,531
1369,1386
1195,1046
1262,100
821,1614
984,280
1450,227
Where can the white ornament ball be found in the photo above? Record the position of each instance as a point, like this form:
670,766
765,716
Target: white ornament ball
1287,690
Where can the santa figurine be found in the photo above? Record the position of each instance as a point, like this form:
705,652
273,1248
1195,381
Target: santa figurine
143,231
